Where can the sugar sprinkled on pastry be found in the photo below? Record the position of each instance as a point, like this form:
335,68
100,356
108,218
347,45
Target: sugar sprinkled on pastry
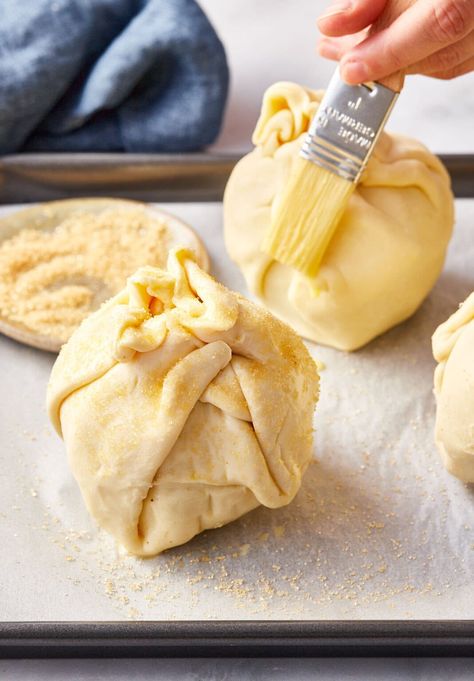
182,406
453,348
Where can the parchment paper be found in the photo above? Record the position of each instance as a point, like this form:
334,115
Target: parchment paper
379,529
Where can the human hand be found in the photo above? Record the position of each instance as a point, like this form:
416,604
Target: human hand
431,37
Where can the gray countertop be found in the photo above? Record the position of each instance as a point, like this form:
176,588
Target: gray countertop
455,669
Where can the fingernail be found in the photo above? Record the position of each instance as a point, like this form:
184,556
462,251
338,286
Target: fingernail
354,72
328,49
337,8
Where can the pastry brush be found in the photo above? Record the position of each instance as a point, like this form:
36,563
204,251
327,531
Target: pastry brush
335,152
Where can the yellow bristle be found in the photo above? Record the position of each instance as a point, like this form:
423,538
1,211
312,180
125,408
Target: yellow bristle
304,223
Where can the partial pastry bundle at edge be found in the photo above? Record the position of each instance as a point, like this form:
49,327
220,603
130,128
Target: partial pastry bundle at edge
182,406
386,253
453,348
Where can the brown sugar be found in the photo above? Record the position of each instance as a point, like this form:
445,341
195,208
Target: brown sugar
51,280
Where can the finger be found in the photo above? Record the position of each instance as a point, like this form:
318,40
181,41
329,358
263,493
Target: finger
330,49
335,48
344,18
447,58
458,70
421,30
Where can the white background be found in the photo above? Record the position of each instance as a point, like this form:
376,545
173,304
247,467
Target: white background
271,40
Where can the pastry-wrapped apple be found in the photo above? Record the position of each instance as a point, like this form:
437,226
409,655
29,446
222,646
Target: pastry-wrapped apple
182,406
453,348
386,252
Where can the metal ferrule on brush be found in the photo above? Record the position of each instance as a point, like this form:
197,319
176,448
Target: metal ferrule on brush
346,127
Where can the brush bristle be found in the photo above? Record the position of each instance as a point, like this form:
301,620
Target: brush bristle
311,207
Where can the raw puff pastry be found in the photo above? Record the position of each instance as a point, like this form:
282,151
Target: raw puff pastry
453,348
182,406
387,252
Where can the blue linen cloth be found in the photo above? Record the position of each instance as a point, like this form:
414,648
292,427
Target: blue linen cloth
109,75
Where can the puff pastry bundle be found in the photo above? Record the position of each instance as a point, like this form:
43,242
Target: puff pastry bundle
453,348
182,406
386,253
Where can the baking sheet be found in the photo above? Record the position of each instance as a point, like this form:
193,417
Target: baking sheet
379,529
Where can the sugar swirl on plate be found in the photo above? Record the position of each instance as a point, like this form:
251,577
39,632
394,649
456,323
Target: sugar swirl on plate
60,260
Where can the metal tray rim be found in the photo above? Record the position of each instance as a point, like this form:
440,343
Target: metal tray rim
26,178
250,638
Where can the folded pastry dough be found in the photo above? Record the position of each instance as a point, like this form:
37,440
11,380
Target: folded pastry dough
182,406
386,253
453,348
